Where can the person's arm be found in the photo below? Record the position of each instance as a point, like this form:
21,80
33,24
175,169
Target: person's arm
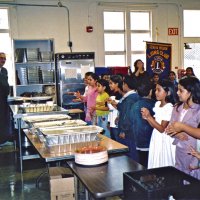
81,97
195,153
177,127
147,116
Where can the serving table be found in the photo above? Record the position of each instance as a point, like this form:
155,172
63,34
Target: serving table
67,151
18,114
105,180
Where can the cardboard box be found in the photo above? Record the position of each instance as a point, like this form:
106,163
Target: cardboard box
61,183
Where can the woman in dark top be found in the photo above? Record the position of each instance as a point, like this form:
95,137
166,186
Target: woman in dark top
140,74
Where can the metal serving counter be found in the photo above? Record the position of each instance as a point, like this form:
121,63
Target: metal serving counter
61,152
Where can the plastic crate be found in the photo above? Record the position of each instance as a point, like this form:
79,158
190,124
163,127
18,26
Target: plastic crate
160,183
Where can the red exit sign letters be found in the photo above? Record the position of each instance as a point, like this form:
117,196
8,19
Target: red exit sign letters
172,31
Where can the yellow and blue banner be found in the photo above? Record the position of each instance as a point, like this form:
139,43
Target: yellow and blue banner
158,58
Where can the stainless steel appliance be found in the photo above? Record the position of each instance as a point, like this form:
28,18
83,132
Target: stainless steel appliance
70,71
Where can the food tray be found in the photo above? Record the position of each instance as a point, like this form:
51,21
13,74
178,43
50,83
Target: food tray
37,108
43,118
69,135
60,123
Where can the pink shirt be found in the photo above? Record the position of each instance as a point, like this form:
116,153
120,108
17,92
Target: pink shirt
90,98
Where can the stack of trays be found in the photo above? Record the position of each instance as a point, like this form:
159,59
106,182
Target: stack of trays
32,54
23,76
33,75
47,76
46,56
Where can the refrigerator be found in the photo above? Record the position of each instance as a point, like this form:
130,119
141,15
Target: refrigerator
70,69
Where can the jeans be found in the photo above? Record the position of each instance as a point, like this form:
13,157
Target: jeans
114,133
102,121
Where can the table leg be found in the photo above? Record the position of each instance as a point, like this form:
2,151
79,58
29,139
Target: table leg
76,187
86,194
20,144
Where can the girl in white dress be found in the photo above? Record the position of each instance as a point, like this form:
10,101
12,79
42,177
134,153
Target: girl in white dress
161,149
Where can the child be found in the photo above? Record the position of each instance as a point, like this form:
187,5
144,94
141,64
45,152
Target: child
101,105
90,97
124,123
141,130
155,79
187,111
161,150
114,84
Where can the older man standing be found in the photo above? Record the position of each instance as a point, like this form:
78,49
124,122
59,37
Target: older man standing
4,91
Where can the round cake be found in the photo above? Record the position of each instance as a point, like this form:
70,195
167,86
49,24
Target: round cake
91,155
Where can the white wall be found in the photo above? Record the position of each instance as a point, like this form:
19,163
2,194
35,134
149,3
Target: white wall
47,22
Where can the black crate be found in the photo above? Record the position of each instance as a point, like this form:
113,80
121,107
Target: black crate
160,183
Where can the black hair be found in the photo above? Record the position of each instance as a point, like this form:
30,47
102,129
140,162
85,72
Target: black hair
117,79
94,76
190,68
105,84
172,72
169,88
136,62
155,74
144,88
192,85
88,74
131,82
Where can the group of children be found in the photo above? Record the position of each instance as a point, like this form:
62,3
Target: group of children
158,133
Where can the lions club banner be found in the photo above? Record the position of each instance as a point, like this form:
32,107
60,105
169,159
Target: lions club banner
158,57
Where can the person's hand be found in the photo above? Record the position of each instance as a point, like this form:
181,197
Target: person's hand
100,103
140,68
77,94
181,136
76,100
145,113
92,109
122,135
173,128
194,153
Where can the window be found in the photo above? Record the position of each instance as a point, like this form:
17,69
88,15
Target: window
192,59
125,33
5,45
190,17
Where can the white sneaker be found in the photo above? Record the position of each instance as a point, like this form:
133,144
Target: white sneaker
7,143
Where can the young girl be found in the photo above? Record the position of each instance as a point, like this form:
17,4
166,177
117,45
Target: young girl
161,150
187,111
90,97
115,83
101,105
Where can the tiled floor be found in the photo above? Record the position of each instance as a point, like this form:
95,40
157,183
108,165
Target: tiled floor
13,186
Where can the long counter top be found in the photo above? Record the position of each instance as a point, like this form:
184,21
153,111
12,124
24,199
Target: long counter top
61,152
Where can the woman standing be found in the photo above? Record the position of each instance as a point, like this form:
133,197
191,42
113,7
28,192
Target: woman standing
187,111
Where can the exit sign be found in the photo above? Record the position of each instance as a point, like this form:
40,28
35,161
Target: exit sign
172,31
